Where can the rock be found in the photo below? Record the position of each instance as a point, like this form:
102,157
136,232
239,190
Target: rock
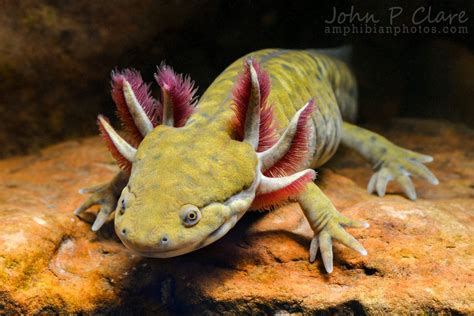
420,253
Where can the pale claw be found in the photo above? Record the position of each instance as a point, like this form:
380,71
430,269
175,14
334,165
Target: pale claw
420,170
372,182
325,243
384,177
407,186
346,239
313,249
102,216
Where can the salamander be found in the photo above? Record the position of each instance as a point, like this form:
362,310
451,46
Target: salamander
191,168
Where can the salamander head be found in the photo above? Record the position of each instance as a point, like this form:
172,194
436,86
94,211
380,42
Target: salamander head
187,189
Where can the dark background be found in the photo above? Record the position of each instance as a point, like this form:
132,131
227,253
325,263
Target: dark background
56,57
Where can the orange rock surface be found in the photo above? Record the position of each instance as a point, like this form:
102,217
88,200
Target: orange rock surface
421,254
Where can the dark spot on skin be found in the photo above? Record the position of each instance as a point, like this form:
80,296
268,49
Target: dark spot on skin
188,146
188,160
210,172
155,187
372,139
273,54
273,78
383,150
286,67
318,67
189,179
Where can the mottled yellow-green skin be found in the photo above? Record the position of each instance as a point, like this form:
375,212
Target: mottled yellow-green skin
296,76
200,164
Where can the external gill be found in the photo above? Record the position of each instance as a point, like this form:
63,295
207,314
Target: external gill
285,156
139,113
177,96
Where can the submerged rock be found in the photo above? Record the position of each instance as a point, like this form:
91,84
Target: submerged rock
421,254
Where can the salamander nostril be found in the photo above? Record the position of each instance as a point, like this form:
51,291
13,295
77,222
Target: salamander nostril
122,207
124,231
164,240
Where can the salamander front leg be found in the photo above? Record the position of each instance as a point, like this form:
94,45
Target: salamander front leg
105,195
327,224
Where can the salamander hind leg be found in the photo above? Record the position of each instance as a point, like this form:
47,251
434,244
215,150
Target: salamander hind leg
104,195
390,161
327,224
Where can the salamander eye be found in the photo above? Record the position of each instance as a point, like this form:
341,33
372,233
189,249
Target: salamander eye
190,215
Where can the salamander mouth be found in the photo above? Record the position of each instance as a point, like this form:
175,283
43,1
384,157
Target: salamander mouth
169,253
187,248
238,205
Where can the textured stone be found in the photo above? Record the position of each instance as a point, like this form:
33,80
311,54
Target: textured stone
421,254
